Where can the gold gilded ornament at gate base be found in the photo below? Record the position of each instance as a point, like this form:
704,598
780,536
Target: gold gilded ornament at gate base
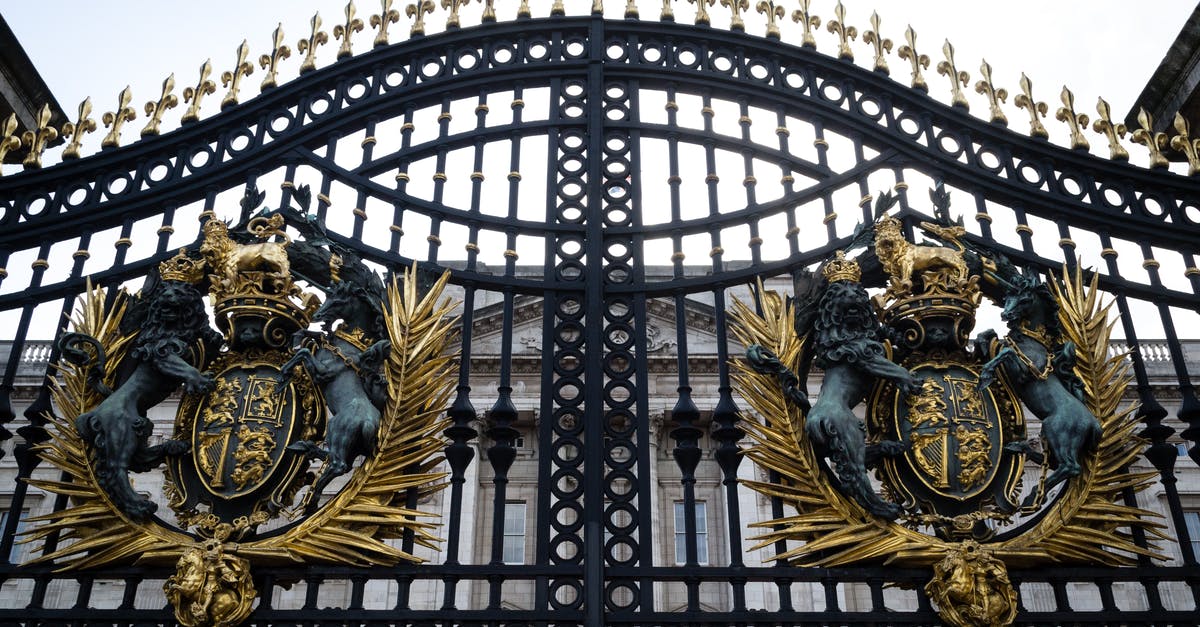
262,398
945,428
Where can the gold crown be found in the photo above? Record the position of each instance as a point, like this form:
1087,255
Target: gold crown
888,228
841,269
182,268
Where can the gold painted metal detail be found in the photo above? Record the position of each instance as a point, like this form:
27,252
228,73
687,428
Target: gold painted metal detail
666,14
510,253
808,22
489,11
308,47
358,211
124,241
3,273
156,110
916,60
114,120
1111,131
1190,271
1066,241
433,239
958,78
417,11
82,125
523,10
558,8
774,13
736,23
211,586
1109,252
166,228
380,21
39,264
631,10
1075,121
232,79
1154,142
830,217
717,250
452,20
82,253
879,42
471,247
37,138
1025,100
597,7
322,198
983,217
844,33
1185,144
995,95
1024,228
9,140
346,30
971,588
678,256
367,141
270,62
702,11
194,95
1149,264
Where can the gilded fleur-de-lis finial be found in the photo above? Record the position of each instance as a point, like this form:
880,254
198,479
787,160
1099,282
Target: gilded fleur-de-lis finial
156,110
597,7
1075,121
270,63
774,13
36,139
558,8
702,11
233,78
343,31
1111,131
387,15
195,94
1154,142
1185,144
736,7
909,52
452,20
667,14
114,120
995,95
958,79
808,21
308,47
631,10
82,125
9,140
417,11
844,33
879,42
1024,100
523,11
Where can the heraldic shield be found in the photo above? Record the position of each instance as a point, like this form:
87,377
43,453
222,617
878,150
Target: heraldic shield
936,475
271,412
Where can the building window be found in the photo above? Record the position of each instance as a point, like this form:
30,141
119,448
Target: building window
701,510
18,550
1193,528
514,532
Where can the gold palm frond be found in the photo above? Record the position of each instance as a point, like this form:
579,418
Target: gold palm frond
353,527
1090,526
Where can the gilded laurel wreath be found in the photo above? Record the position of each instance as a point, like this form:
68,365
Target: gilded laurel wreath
1085,524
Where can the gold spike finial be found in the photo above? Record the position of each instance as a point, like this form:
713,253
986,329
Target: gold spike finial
37,139
1105,126
736,23
702,11
597,7
995,95
1154,142
667,14
879,42
774,13
417,11
343,31
196,94
233,78
558,8
452,20
523,10
387,15
156,110
9,140
1024,100
83,125
1185,144
1075,121
844,33
958,79
308,47
270,63
909,52
631,10
808,21
114,120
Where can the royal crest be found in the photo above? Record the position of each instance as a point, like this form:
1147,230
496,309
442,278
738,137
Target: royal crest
270,412
945,432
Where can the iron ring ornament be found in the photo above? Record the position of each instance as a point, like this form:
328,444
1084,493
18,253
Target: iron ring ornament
263,398
945,430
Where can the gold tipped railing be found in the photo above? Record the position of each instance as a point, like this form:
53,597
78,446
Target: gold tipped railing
800,31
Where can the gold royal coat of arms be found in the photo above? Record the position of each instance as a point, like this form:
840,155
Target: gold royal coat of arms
270,413
936,474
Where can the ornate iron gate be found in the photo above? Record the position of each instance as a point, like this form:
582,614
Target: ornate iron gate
624,151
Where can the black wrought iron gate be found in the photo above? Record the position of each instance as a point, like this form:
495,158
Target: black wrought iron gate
600,178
